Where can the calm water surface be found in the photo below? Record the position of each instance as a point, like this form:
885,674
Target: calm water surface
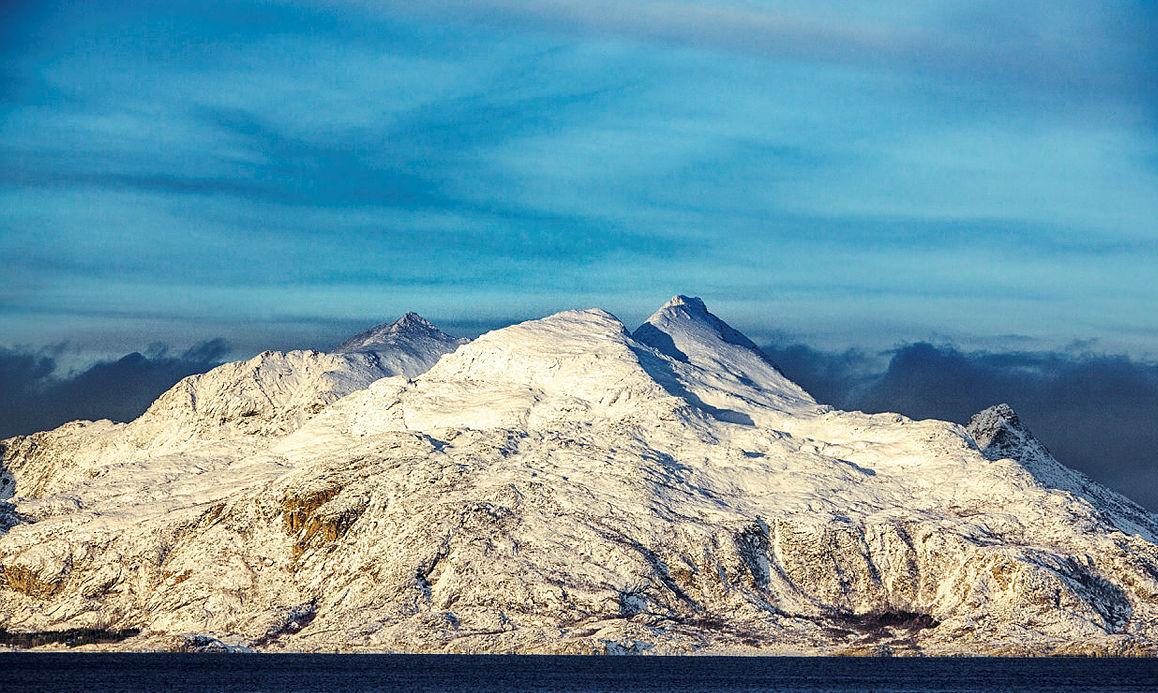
26,673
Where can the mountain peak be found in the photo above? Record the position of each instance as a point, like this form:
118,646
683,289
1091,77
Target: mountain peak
688,316
1004,412
407,328
720,359
1000,434
413,321
693,304
998,431
408,346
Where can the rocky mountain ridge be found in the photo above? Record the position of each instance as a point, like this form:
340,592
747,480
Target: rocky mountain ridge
563,485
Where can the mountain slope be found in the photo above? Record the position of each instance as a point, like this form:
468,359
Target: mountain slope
564,486
211,418
722,369
999,433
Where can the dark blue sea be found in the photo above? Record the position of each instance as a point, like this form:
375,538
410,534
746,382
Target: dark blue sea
28,673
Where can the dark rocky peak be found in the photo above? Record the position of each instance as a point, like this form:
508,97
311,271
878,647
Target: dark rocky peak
999,432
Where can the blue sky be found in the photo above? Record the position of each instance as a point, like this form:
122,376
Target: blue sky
282,174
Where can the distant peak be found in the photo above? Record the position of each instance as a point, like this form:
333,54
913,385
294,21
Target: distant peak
408,328
412,321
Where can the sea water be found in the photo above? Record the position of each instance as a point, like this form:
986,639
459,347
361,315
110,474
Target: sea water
31,672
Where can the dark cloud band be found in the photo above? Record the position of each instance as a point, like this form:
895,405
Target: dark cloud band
34,398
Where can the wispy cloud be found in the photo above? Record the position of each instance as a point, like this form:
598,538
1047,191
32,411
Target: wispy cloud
1051,45
842,167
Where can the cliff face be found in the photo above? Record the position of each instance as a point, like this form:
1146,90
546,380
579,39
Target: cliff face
564,486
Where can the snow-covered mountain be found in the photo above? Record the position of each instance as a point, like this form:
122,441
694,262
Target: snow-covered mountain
236,408
563,485
409,346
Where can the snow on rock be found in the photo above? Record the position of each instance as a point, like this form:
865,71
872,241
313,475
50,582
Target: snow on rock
408,346
7,485
572,368
210,418
1000,434
564,486
206,417
721,370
